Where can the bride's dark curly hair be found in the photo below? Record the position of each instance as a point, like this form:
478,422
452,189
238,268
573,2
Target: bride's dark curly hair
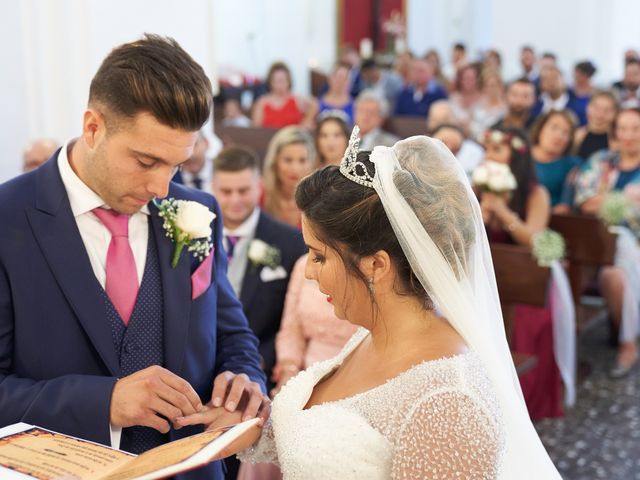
351,219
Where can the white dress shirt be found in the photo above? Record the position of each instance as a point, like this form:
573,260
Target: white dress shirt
247,232
96,237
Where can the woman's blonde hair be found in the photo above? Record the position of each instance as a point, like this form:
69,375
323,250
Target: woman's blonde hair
272,187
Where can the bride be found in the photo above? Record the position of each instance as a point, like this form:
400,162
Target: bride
426,388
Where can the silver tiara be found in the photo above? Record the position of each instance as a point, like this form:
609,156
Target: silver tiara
350,167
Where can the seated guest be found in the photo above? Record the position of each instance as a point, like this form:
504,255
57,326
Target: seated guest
233,115
371,112
492,60
290,157
515,218
606,171
529,64
402,66
594,136
416,98
466,94
433,57
466,151
280,107
38,152
521,97
458,60
627,90
385,83
259,282
332,137
554,95
196,172
337,97
583,87
491,107
551,138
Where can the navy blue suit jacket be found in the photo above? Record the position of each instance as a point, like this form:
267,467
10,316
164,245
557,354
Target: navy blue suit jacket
263,302
58,364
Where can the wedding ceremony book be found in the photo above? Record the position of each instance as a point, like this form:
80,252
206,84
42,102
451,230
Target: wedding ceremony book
31,452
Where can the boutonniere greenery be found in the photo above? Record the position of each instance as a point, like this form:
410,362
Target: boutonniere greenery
187,224
262,254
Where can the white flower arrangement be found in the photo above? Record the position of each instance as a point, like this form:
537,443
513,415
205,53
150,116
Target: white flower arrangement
622,208
187,223
261,253
548,247
494,177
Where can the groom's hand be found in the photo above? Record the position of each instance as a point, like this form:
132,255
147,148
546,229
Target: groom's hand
230,388
146,396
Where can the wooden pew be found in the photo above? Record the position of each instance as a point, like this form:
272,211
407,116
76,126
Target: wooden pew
406,126
318,81
256,138
520,281
590,245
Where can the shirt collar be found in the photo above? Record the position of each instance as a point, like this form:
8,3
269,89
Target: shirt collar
81,198
246,228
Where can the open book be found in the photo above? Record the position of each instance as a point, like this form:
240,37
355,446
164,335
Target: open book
28,452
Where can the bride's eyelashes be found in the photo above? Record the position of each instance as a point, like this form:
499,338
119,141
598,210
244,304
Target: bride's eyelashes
318,259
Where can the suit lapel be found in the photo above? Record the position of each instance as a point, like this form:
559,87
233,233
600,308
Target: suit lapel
56,232
176,291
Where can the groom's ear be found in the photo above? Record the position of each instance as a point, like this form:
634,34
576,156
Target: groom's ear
93,127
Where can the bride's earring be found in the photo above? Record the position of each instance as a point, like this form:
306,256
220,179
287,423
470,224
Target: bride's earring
372,289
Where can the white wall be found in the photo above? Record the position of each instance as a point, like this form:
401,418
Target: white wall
50,50
599,30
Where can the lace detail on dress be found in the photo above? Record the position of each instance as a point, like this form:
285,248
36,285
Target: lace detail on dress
436,420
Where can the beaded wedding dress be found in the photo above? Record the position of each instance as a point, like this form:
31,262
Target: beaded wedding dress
437,420
454,418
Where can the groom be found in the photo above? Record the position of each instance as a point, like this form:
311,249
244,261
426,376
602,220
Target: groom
100,337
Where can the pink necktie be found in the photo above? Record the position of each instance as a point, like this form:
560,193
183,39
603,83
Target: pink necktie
122,276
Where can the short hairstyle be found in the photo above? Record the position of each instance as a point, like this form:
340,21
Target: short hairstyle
587,68
153,75
542,120
368,64
527,48
460,46
235,159
523,81
632,61
549,55
635,110
278,67
370,95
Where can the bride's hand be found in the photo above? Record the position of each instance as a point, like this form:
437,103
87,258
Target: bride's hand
218,418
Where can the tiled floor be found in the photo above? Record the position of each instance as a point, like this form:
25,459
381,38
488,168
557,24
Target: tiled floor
600,436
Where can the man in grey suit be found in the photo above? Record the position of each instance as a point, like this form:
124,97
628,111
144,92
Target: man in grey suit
371,110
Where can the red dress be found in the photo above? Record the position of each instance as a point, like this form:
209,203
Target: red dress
288,114
532,334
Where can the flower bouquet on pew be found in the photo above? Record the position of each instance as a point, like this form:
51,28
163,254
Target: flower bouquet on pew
622,208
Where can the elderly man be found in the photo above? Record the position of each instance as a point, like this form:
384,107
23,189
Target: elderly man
38,152
370,113
416,99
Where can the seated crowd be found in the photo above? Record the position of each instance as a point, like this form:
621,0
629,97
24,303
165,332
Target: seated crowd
567,144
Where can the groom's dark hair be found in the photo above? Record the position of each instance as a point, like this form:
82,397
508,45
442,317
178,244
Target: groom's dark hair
156,76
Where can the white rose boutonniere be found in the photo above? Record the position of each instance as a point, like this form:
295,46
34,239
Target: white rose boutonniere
187,223
261,253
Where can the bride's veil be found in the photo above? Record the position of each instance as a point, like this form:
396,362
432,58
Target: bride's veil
454,266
